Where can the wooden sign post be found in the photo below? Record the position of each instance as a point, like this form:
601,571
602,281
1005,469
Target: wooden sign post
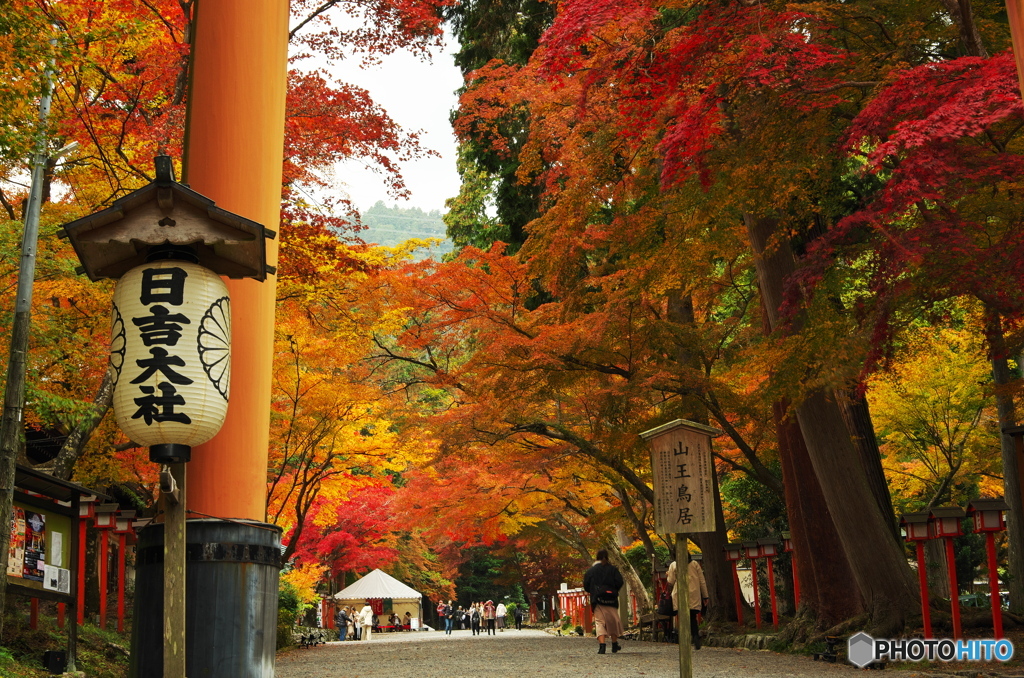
684,502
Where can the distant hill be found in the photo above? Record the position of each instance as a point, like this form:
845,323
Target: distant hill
392,226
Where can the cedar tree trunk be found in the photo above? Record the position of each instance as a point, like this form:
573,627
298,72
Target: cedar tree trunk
879,565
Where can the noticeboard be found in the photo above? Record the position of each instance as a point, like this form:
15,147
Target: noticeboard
39,555
684,500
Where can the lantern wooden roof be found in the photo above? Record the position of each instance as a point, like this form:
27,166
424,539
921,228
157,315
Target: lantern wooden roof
987,504
734,546
113,241
917,517
948,512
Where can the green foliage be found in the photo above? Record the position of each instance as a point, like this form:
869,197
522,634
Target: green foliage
289,600
392,226
285,624
970,554
637,557
508,30
101,654
493,205
756,511
480,578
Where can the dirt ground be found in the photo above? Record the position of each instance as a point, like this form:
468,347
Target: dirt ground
432,654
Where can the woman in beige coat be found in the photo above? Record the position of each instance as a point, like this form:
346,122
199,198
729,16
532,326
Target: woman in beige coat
697,595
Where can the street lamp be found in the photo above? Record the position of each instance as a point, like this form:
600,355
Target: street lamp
170,332
916,531
168,246
945,524
769,548
752,551
734,553
987,515
104,522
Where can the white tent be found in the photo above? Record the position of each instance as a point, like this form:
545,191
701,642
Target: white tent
380,585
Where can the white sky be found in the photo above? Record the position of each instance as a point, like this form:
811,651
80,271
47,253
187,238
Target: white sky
418,96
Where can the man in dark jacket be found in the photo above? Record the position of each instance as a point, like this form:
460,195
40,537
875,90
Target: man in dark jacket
603,581
341,621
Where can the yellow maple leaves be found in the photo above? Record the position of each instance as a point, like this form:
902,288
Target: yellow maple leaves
935,415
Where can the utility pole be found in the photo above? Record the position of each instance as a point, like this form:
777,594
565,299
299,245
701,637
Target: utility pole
17,364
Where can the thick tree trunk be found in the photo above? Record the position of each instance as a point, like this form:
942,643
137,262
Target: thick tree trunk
878,564
858,422
827,587
828,592
961,13
935,564
1011,461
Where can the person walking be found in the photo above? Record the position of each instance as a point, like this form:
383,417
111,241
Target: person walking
489,614
500,613
698,597
474,619
449,618
603,581
518,616
366,618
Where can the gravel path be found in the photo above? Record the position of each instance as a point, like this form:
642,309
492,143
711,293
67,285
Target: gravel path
432,654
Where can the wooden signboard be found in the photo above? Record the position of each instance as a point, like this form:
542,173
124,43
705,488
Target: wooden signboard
39,556
684,500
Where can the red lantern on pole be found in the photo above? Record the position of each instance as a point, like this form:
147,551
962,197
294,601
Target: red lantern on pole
753,552
769,548
787,547
945,524
105,522
734,553
987,515
916,530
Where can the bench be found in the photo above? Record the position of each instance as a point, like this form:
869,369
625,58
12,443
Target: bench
655,622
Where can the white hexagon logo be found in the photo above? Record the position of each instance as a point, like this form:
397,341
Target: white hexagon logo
860,649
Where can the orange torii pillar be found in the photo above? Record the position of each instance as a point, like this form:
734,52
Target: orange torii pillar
233,155
1015,16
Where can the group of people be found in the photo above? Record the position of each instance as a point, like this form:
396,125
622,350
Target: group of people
396,622
477,616
603,582
360,625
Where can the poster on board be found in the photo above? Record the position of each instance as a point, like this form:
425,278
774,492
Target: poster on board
16,550
35,546
57,579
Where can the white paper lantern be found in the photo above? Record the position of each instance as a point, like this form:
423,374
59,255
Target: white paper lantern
171,348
